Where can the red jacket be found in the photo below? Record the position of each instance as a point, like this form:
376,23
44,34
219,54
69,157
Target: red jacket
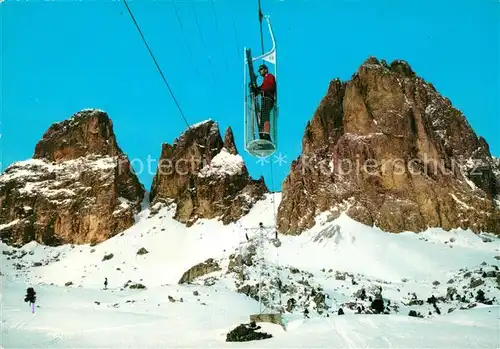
269,84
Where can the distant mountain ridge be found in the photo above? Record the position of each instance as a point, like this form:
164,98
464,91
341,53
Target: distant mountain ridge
80,188
422,166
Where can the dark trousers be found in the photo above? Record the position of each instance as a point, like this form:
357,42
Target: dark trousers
267,105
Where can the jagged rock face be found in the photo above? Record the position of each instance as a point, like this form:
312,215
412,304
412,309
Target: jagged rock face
205,177
65,195
496,173
86,132
392,152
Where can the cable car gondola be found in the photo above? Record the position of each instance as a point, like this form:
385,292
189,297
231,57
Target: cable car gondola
260,108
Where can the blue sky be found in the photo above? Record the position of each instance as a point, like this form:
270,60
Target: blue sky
62,56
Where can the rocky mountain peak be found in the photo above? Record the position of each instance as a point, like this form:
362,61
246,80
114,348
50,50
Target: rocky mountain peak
372,60
402,67
89,131
78,188
398,66
229,142
204,176
387,148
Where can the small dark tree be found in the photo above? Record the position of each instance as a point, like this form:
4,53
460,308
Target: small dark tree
31,298
378,303
480,296
482,299
30,295
340,312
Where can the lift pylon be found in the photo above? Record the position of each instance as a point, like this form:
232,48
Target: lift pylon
269,281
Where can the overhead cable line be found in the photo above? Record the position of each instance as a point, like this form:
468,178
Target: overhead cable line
261,36
156,63
185,39
218,34
202,40
236,38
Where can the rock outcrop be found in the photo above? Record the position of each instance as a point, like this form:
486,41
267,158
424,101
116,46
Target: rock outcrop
247,333
78,188
391,151
207,267
205,177
496,173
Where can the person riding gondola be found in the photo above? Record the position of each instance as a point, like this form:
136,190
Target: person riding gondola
268,92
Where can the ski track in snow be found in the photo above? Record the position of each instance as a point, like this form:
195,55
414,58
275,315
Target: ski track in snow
345,333
125,318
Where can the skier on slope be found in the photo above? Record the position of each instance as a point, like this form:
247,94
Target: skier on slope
105,283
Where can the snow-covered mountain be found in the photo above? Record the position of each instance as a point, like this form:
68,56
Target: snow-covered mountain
190,262
324,269
79,187
204,175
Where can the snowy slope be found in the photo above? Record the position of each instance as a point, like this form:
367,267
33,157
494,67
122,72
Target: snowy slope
339,256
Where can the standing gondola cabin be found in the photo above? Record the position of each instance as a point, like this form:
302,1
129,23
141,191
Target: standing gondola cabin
261,102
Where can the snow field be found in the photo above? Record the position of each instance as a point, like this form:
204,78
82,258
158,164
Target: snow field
155,317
